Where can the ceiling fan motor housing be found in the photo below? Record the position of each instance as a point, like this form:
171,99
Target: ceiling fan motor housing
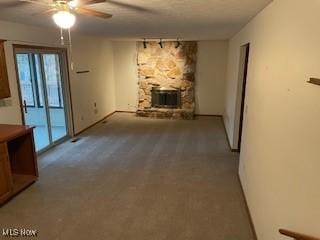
62,5
62,1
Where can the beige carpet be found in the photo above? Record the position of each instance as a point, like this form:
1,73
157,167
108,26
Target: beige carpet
137,179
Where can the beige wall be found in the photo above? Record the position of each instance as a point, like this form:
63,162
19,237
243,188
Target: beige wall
112,81
95,55
279,166
210,85
211,77
89,53
125,75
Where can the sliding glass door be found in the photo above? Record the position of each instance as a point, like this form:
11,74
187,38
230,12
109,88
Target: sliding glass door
54,90
41,80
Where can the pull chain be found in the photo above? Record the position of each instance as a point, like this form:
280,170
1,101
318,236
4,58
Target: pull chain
70,45
70,48
61,36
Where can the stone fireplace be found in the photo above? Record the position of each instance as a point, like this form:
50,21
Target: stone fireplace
167,79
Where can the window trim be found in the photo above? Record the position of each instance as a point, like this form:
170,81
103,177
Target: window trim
60,93
31,81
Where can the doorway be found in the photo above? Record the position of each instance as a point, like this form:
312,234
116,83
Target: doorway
244,61
42,80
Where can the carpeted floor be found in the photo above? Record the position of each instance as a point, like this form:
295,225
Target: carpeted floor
137,179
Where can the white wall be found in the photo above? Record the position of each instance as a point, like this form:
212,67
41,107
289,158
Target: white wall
279,163
210,82
125,75
89,53
211,77
112,82
97,86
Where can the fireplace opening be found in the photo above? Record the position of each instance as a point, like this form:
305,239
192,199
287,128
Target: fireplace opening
166,97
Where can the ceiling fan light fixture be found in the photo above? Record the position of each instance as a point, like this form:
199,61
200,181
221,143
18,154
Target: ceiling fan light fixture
64,19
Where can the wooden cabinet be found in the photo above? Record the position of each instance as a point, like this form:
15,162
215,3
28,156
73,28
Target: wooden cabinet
18,165
5,175
4,82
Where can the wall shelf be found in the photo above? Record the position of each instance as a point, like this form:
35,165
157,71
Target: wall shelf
315,81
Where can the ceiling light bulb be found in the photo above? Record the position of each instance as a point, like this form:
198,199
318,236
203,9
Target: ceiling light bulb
64,19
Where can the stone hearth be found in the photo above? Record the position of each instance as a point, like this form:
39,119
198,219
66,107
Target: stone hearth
167,67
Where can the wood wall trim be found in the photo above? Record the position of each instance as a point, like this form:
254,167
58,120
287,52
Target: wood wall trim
125,111
225,130
37,47
248,209
208,115
315,81
92,125
69,89
4,78
18,86
295,235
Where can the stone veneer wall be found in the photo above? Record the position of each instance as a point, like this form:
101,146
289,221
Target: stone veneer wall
169,67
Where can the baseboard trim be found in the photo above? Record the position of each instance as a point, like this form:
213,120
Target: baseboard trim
196,115
248,209
125,111
92,125
208,115
225,130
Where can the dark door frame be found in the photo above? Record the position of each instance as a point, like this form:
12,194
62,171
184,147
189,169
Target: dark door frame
243,95
63,52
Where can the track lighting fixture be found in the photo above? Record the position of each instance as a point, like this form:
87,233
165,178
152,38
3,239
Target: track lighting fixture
178,43
161,43
144,43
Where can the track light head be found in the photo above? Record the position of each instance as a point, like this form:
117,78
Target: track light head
161,43
144,43
178,43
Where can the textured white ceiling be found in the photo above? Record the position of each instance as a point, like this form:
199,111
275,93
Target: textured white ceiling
186,19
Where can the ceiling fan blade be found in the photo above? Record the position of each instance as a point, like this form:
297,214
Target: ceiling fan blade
11,4
90,12
129,6
38,2
90,2
45,12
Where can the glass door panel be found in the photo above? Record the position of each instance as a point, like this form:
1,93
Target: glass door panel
53,82
32,98
41,81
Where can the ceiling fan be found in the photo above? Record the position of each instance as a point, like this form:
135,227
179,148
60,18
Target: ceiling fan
64,10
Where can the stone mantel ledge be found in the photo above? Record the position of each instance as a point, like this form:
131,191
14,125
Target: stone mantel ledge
167,113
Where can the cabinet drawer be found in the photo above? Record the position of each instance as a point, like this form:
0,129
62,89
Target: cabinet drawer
3,148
